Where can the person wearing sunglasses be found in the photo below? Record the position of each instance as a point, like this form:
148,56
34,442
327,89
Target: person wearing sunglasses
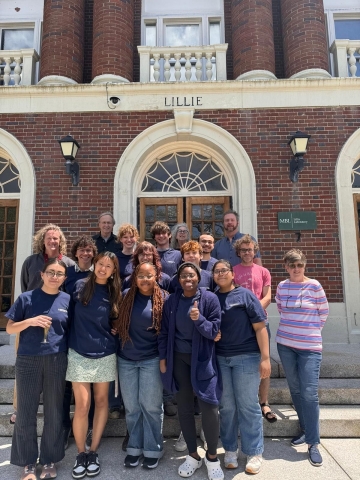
138,326
303,309
242,350
190,323
40,316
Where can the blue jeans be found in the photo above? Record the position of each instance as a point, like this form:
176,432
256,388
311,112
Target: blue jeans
239,404
302,370
142,390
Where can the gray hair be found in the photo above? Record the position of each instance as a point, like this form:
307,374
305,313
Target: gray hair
173,242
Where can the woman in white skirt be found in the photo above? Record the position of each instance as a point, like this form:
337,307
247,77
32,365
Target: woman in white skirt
92,354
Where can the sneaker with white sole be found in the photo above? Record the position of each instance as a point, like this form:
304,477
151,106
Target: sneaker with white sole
79,469
214,469
253,464
93,465
180,444
189,467
231,459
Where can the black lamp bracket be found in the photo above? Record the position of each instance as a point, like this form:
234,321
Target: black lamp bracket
73,169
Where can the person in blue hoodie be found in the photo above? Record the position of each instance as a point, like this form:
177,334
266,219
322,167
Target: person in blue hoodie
92,354
190,323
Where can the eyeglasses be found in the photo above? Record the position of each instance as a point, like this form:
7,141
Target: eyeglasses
296,265
183,231
184,276
223,271
143,277
246,250
51,274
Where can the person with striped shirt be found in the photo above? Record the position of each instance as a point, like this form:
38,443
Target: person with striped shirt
303,309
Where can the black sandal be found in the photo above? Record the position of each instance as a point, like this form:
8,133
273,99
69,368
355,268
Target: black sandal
269,416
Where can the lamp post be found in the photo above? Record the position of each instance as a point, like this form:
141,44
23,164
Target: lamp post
69,148
298,144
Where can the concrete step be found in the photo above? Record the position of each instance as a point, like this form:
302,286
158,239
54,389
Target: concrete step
338,421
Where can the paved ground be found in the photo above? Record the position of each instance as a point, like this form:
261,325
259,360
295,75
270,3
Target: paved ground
282,462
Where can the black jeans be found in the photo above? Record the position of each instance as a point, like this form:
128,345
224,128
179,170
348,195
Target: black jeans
185,401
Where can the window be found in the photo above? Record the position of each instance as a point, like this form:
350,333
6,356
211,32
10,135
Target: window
15,39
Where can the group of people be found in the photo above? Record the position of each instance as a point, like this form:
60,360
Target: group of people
187,321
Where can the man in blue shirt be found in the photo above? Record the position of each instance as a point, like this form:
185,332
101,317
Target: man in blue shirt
224,247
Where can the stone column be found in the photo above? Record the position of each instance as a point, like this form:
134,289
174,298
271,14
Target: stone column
62,49
113,41
305,44
253,40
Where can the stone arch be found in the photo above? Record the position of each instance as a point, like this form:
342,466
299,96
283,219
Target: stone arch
347,233
16,151
159,138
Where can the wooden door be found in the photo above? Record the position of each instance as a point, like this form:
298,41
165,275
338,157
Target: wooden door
205,215
9,212
168,210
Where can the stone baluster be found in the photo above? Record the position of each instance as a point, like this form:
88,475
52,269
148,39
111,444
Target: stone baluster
188,67
198,65
352,61
156,67
17,70
208,66
7,71
167,67
177,57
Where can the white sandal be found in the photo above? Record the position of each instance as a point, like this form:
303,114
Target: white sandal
189,467
214,470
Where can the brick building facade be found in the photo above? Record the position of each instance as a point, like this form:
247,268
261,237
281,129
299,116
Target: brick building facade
276,69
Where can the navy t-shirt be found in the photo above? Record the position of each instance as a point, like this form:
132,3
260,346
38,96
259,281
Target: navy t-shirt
208,264
184,326
125,264
170,260
34,303
143,344
164,282
239,310
90,333
72,277
206,281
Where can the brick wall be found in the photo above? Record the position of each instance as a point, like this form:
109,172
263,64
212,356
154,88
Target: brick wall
304,33
228,38
113,38
137,39
62,50
88,43
103,137
278,40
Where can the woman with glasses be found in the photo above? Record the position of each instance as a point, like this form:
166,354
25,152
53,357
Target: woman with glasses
303,309
191,321
40,316
92,354
242,350
138,327
180,234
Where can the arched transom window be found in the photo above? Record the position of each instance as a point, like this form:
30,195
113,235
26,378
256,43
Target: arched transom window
9,177
184,173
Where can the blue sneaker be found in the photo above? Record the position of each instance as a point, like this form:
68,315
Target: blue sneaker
298,440
315,457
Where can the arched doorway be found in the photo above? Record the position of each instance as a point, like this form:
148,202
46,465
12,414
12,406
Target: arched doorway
212,146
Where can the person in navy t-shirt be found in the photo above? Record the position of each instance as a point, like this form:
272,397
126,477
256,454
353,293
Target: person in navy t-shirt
128,235
92,354
40,316
170,258
138,361
242,351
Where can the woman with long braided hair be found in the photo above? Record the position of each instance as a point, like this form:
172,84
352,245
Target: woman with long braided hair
138,326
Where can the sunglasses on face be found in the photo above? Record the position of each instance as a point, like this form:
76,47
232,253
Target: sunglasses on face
296,265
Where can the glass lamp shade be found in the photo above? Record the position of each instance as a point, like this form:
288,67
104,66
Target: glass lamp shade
298,143
69,147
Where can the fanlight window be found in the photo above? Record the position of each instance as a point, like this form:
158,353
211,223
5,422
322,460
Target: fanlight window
355,175
184,172
9,177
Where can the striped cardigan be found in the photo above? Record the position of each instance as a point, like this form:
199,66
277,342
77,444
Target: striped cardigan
303,309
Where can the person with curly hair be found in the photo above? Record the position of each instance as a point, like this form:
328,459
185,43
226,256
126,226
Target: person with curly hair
170,258
138,326
146,252
180,234
92,354
128,235
48,242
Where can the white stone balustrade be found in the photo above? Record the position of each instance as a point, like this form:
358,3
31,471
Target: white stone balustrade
24,70
183,64
344,52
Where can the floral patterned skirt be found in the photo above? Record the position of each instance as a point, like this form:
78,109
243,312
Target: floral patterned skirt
90,370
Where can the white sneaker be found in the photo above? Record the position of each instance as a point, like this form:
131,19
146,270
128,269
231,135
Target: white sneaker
189,467
253,464
180,444
214,469
230,459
